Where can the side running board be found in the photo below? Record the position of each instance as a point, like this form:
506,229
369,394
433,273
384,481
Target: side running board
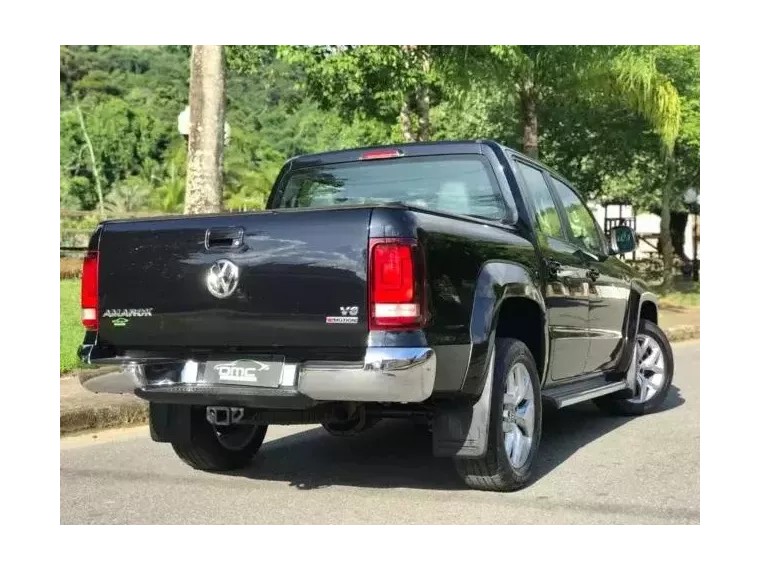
575,392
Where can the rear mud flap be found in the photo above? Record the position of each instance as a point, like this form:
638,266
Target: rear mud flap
463,431
170,423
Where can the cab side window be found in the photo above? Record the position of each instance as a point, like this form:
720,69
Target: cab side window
547,216
583,228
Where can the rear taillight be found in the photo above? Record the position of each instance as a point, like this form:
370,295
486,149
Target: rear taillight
395,294
90,291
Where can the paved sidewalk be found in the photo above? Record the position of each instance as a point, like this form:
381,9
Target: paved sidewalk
82,410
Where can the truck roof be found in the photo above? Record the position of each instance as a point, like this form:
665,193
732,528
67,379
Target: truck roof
408,149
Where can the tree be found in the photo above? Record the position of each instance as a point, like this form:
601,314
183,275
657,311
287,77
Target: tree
130,195
203,192
93,163
612,153
681,64
130,98
624,74
394,84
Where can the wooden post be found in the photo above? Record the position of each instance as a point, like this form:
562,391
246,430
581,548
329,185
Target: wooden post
203,192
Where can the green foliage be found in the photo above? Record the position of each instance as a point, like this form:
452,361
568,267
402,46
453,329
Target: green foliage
130,99
130,195
479,111
644,88
72,331
368,81
683,295
126,96
169,193
75,231
604,113
611,151
372,82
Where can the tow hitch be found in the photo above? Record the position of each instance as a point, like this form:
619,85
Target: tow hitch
224,416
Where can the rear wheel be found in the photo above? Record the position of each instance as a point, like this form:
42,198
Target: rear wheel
515,423
218,448
654,374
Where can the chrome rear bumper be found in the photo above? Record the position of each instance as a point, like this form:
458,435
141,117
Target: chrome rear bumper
385,375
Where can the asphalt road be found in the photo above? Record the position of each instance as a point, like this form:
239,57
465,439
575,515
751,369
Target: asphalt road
592,469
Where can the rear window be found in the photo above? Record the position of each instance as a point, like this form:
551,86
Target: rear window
462,185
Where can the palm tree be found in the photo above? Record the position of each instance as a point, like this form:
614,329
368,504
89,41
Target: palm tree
623,74
627,74
128,196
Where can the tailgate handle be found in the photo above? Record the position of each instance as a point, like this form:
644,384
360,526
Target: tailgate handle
224,238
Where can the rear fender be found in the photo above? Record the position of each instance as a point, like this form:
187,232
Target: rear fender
462,431
497,282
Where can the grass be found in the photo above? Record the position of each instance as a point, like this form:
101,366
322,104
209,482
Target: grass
684,294
72,331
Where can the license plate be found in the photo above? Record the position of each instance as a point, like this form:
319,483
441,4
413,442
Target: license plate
243,371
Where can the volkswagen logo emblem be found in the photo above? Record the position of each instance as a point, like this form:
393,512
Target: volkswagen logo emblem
222,278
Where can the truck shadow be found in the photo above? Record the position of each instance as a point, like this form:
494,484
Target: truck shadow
397,454
393,454
568,430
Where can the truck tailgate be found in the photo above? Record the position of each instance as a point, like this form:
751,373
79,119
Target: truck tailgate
295,278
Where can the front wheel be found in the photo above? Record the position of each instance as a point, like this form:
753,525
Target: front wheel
218,448
654,374
515,422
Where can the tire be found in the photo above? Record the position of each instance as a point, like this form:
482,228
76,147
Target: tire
616,405
208,448
496,471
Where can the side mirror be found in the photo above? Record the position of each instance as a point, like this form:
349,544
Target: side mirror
622,240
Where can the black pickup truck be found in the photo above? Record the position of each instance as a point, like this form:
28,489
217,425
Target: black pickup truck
461,284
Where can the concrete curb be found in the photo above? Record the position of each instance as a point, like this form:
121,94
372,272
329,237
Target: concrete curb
135,412
682,332
101,417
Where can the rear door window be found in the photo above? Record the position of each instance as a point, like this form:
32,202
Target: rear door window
547,214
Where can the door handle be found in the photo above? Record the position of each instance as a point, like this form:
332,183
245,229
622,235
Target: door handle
224,238
592,274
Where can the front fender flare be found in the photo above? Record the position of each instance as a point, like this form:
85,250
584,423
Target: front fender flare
638,297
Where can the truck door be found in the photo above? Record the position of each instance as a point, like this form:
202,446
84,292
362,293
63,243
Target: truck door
566,278
609,282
